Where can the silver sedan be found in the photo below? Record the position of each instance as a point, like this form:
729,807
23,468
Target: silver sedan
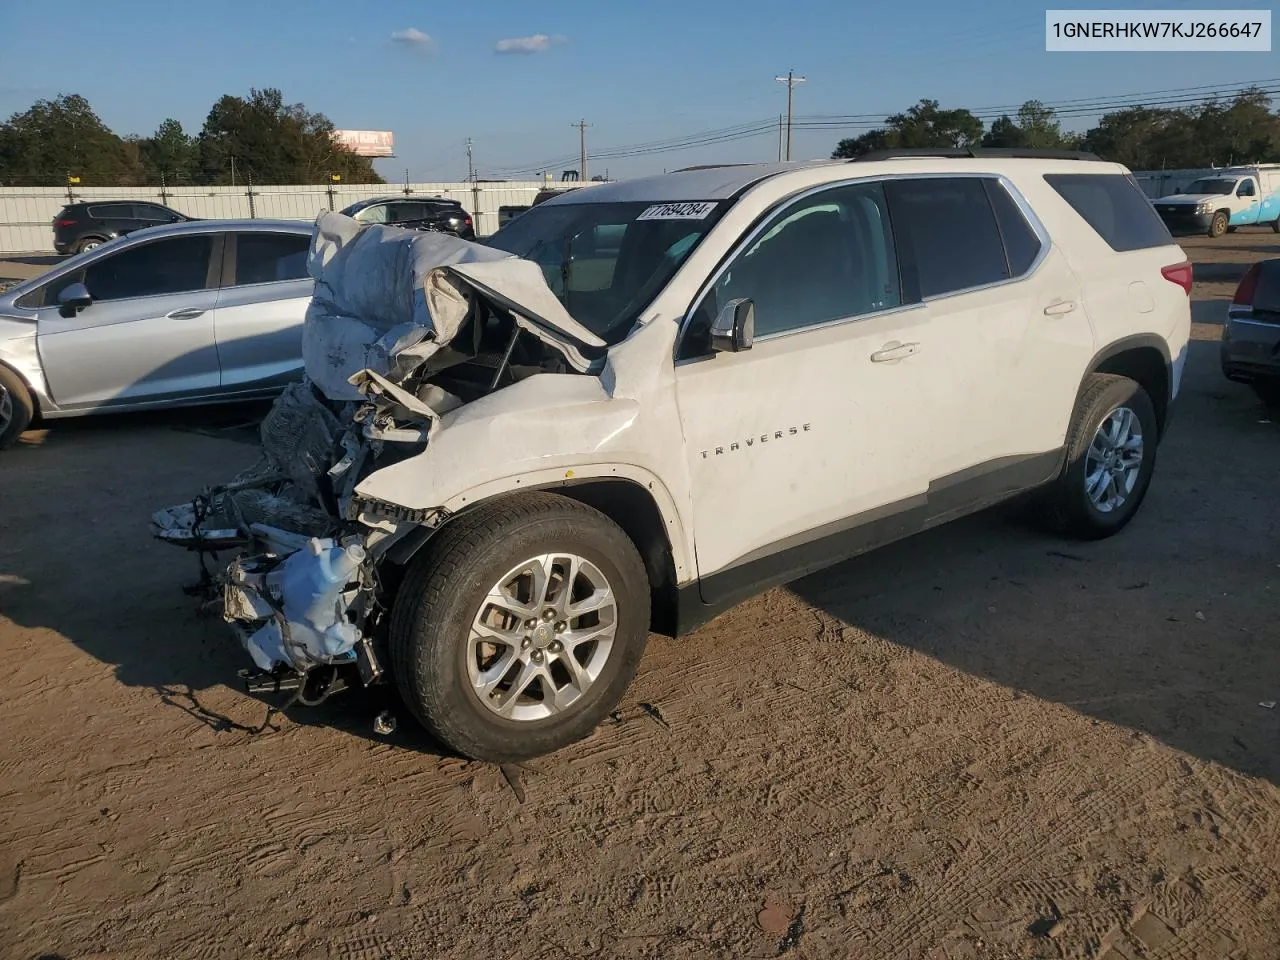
202,312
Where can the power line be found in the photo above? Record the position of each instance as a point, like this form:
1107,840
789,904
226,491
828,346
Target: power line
1071,107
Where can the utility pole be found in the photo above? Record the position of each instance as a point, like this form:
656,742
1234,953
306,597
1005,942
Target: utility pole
471,163
779,138
790,80
582,148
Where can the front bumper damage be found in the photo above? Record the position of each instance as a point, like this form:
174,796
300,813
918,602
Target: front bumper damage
401,331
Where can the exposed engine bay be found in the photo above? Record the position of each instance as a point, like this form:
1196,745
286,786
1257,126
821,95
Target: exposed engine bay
404,328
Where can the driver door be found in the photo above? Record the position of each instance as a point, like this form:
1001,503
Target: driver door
147,336
813,444
1249,203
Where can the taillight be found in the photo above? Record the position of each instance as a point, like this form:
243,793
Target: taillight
1248,284
64,223
467,221
1179,273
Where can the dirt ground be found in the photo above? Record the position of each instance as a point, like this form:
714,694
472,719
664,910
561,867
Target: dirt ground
982,743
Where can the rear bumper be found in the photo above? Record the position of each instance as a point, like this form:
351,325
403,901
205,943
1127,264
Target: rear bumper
1182,222
1250,350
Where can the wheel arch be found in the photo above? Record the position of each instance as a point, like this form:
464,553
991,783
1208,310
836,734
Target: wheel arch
34,391
656,533
1143,358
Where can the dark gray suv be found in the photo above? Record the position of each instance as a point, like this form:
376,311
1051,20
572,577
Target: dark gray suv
82,226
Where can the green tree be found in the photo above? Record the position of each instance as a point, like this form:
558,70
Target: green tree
168,153
1035,128
62,137
1242,131
1145,138
921,126
262,137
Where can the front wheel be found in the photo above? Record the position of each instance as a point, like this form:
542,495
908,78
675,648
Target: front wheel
1111,452
1218,225
519,626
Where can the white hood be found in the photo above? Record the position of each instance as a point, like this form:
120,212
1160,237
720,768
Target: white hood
1193,199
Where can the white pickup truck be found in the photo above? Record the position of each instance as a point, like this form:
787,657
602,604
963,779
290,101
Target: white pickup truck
1232,197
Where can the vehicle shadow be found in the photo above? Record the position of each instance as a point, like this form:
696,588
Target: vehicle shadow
1168,628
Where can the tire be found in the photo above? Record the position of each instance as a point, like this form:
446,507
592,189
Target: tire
1268,392
1275,225
444,593
88,243
1218,225
1067,507
16,407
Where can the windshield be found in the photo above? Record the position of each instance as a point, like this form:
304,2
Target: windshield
607,261
1214,185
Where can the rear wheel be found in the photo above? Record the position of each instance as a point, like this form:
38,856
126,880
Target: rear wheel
1275,225
519,627
89,243
1111,452
1218,225
16,407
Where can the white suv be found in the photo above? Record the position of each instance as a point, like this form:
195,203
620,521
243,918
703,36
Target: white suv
678,392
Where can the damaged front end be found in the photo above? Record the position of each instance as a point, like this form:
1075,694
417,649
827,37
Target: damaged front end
403,329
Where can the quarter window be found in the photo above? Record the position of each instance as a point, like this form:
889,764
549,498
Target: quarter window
175,265
270,257
1117,209
827,257
948,229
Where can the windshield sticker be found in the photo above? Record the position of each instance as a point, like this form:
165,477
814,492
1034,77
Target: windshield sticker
698,210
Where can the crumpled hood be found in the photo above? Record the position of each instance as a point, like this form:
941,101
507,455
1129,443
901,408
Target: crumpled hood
385,293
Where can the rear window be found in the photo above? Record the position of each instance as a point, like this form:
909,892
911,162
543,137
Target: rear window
112,211
1115,206
949,230
271,257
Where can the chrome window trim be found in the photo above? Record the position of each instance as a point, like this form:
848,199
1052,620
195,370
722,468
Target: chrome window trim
766,219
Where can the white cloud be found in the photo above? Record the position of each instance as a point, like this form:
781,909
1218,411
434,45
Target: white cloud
413,37
537,43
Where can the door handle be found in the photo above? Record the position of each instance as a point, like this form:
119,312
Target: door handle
1060,309
895,351
186,313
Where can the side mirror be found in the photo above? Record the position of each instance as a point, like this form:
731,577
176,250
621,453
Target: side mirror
73,298
735,328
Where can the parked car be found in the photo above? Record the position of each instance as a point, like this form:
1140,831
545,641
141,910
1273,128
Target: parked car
679,391
415,213
188,313
82,226
1251,335
1231,197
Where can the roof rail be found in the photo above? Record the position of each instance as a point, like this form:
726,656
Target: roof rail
710,166
976,152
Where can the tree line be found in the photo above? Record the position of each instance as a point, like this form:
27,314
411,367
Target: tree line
1243,129
258,138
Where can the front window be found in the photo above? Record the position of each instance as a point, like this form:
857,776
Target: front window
607,261
1216,185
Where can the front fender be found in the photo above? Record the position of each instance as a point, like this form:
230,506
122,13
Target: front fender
547,431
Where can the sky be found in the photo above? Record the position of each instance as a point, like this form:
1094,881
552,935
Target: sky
514,77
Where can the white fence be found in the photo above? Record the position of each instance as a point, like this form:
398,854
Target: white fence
26,213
